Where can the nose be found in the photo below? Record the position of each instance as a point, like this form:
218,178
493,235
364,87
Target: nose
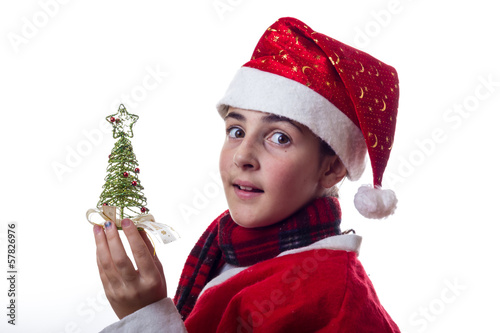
246,155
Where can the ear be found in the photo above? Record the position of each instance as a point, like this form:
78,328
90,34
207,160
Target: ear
333,171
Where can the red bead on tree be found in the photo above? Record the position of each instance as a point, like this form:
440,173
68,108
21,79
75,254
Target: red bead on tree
137,170
134,183
143,209
112,119
125,174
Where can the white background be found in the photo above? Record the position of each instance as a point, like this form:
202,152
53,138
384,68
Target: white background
65,66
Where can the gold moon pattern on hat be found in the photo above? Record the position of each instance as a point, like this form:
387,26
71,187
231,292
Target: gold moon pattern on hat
376,140
385,106
362,92
304,69
338,58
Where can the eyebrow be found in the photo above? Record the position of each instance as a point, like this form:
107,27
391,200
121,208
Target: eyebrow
235,115
273,118
268,118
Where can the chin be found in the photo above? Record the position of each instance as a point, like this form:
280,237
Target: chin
250,223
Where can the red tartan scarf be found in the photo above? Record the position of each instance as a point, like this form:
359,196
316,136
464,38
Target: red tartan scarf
226,242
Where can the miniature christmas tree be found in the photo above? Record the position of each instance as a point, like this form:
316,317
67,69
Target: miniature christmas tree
122,187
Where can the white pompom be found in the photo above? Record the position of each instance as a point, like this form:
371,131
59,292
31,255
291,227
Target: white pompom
375,203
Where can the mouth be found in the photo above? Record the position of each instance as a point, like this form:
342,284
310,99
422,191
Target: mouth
248,188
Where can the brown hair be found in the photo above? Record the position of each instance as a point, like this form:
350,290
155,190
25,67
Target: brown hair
324,151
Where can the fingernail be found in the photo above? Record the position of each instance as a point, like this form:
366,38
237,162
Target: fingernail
97,229
126,223
107,224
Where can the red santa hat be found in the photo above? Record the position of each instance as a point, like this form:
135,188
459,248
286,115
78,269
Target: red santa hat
343,95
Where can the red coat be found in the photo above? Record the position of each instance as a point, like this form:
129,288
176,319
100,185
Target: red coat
318,290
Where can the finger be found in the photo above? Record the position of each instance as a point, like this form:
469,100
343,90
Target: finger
142,255
152,250
107,269
101,246
119,257
148,243
104,278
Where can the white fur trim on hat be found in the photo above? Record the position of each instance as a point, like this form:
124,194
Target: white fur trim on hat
257,90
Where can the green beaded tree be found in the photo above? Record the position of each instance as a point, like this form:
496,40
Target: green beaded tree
122,187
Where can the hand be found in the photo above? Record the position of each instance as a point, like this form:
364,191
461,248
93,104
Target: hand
128,289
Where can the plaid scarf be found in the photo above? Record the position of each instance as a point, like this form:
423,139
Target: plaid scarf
226,242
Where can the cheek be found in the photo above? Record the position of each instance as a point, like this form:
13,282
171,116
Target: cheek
224,158
225,163
290,176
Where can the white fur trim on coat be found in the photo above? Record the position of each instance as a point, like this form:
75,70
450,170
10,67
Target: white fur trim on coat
161,316
349,243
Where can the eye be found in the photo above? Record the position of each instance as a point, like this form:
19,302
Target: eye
280,138
235,132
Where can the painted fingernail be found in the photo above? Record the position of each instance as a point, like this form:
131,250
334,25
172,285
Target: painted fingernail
97,229
107,224
126,223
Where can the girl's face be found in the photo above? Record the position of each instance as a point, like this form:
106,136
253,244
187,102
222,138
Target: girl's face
270,167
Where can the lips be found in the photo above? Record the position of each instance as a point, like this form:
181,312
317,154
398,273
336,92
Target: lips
246,190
